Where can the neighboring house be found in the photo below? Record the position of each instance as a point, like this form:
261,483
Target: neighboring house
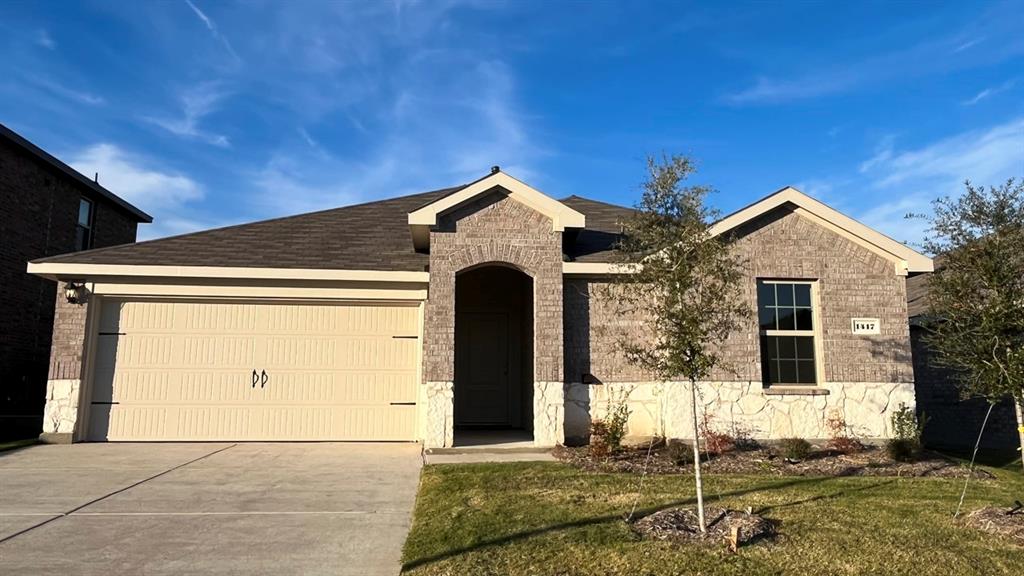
416,317
952,423
46,208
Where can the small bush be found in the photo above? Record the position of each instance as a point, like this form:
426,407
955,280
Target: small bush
679,453
617,420
715,442
794,448
839,438
905,444
903,449
599,447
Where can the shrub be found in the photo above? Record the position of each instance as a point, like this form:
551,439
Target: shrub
617,419
679,453
715,442
905,444
599,447
839,438
794,448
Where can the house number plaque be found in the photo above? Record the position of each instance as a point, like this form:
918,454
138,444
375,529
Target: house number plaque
866,325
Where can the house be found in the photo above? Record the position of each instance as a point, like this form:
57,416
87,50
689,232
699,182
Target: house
46,208
952,422
421,317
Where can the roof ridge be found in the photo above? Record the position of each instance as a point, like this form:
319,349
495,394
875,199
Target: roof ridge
239,225
578,197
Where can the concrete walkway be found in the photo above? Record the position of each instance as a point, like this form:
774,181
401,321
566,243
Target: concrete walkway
318,508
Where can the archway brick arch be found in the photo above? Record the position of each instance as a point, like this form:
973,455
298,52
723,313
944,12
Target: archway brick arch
494,229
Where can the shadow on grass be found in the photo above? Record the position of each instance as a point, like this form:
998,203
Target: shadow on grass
820,497
522,535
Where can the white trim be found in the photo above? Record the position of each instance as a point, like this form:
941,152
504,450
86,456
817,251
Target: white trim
390,292
596,268
907,259
62,270
561,216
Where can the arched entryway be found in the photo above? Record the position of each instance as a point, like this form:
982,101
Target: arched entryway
493,387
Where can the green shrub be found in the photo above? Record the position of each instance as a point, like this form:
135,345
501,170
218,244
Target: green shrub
903,450
679,453
617,419
905,444
794,448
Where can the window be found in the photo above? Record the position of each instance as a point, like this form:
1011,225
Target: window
83,232
785,311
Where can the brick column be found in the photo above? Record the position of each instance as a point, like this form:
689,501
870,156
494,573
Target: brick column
63,384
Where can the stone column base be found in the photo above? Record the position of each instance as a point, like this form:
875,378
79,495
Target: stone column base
548,414
61,411
440,415
55,438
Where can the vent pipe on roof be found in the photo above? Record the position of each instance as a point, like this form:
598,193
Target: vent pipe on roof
495,169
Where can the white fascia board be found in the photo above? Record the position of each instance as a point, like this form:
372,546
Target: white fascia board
561,216
66,270
596,268
915,261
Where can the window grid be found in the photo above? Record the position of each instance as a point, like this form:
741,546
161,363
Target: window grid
786,317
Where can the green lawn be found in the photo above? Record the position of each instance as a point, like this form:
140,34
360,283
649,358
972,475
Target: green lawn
548,518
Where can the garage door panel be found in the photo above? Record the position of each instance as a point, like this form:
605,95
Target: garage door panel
183,371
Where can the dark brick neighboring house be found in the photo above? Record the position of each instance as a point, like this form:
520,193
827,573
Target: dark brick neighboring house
40,202
953,423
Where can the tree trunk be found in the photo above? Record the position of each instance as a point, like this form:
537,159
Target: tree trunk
696,459
1020,428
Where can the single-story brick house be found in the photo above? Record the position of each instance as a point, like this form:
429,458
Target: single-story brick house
465,308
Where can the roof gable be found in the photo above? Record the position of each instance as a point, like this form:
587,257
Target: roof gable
906,258
425,217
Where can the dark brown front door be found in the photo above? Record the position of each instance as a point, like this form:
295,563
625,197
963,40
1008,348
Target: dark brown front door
482,369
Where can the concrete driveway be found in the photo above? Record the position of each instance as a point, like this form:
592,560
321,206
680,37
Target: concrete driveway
107,509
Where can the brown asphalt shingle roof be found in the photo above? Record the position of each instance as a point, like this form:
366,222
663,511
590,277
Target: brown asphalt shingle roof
371,236
917,291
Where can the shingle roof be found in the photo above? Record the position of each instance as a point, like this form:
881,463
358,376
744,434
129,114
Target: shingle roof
917,291
371,236
18,140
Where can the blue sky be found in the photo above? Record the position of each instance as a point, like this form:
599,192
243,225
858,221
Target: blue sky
211,113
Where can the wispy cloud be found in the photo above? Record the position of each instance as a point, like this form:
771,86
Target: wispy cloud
196,103
768,91
915,177
44,39
58,89
939,55
166,195
214,31
988,93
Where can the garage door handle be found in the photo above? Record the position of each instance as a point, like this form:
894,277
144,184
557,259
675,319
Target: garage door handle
255,377
263,379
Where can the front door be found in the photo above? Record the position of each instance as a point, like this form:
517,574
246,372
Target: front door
482,369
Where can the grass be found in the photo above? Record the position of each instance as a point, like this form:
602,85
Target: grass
548,518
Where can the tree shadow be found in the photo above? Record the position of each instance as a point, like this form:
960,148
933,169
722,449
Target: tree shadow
640,513
820,497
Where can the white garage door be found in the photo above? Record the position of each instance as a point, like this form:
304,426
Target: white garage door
175,370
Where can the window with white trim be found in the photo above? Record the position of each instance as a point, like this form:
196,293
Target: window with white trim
787,317
83,231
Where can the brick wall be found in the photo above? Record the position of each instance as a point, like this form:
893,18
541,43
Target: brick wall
38,214
494,229
852,281
954,423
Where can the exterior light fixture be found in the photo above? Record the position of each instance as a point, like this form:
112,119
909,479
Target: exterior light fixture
74,292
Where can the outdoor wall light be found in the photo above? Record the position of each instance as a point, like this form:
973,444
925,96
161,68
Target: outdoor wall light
74,292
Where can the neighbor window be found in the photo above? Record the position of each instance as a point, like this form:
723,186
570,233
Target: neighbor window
786,313
83,232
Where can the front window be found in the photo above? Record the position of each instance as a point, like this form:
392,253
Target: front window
83,232
785,311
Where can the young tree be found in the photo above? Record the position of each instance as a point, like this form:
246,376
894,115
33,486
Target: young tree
684,285
976,299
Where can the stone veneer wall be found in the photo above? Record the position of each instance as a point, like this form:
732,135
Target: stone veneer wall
865,376
60,413
494,229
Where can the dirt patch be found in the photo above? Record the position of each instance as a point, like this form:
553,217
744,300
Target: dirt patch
871,461
681,525
996,520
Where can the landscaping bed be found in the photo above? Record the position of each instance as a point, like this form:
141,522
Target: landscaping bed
681,525
997,520
871,461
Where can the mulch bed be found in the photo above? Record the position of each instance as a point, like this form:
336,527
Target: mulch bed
995,520
872,461
680,525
